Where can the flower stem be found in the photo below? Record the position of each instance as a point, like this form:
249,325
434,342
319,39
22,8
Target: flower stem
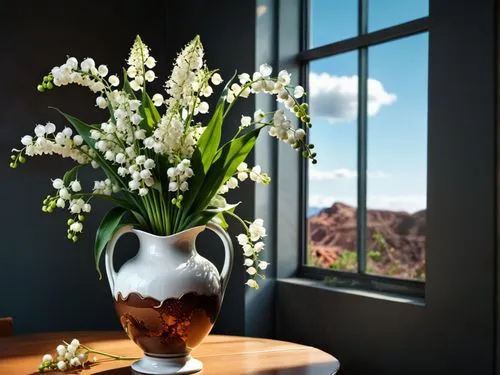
118,357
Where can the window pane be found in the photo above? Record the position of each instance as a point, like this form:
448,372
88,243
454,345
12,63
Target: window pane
331,21
397,158
387,13
333,100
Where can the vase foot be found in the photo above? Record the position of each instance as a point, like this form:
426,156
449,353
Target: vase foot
167,366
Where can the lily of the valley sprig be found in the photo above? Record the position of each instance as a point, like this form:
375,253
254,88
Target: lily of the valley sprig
73,356
162,161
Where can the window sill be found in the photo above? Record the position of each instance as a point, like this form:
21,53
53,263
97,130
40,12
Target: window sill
390,297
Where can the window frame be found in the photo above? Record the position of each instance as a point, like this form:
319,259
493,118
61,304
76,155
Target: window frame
360,43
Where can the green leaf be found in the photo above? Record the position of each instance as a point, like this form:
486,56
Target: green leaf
126,85
148,111
107,228
223,223
227,160
232,154
209,141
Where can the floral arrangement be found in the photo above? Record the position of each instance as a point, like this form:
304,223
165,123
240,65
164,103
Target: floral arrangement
73,356
164,166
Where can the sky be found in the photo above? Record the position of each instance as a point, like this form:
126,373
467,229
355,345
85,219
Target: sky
397,108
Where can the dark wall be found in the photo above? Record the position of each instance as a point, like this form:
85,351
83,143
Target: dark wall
46,282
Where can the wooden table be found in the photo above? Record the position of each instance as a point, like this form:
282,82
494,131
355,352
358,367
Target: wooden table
221,355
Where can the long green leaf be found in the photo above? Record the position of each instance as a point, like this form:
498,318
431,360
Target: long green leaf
107,228
209,141
126,86
149,112
227,160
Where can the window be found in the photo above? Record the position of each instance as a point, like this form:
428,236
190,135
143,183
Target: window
365,66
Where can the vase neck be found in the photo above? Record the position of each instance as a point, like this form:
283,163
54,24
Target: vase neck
162,246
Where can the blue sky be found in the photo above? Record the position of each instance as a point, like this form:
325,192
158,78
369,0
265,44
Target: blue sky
397,122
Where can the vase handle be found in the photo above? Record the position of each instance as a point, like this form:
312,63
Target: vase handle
228,256
110,249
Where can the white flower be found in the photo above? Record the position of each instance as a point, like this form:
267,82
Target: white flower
103,70
256,171
252,284
136,119
242,239
242,167
75,227
300,134
149,164
47,358
284,77
242,176
184,186
75,342
72,63
263,264
113,80
141,159
248,250
150,62
244,78
61,365
69,355
143,191
203,107
259,246
258,115
86,207
64,194
134,184
39,130
50,128
216,79
120,158
75,362
157,99
77,140
257,230
245,121
248,262
150,76
61,350
251,271
75,186
87,64
101,102
68,132
27,140
232,183
173,186
58,183
265,70
61,203
298,92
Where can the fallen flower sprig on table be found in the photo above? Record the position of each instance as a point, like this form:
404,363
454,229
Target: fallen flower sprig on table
72,356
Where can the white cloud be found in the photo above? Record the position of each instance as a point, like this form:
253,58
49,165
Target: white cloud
336,97
341,173
409,203
261,9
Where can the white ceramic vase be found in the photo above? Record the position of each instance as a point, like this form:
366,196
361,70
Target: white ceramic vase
168,297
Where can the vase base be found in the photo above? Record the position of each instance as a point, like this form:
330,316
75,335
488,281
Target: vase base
167,366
